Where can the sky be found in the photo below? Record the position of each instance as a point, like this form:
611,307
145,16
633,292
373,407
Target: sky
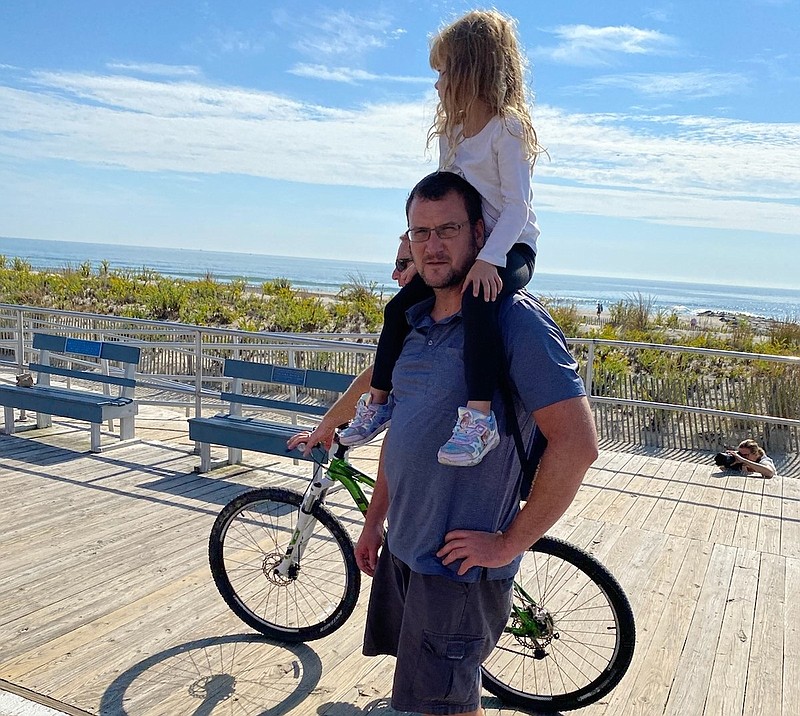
297,129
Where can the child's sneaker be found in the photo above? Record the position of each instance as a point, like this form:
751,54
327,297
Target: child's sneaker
370,419
474,435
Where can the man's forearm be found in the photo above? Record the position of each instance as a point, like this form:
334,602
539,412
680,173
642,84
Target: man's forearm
379,502
571,449
345,407
557,482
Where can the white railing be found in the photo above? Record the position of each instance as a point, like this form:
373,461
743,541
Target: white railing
181,365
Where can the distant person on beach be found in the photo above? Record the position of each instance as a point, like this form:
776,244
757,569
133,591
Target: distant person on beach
599,309
693,323
485,135
750,457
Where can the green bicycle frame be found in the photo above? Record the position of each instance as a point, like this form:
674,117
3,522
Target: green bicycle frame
338,471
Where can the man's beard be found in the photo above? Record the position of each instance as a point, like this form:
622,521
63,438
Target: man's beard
456,275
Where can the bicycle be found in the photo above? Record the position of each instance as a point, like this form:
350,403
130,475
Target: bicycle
286,566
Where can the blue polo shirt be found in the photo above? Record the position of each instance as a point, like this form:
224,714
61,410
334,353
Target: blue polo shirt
427,499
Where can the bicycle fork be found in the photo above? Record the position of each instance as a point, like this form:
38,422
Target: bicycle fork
315,493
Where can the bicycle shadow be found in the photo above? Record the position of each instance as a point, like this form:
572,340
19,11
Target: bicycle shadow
241,674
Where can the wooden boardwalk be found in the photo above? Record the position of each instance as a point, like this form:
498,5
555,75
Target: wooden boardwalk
108,604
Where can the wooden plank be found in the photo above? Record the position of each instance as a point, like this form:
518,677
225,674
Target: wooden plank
616,475
680,519
790,517
730,663
657,660
623,485
791,638
746,533
769,523
648,485
708,496
692,674
724,527
648,591
669,498
597,476
764,689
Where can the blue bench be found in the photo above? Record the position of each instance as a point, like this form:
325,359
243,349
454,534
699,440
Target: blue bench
95,408
238,432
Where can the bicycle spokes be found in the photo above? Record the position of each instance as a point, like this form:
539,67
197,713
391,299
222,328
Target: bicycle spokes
570,635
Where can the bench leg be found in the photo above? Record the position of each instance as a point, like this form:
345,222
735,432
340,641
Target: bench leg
234,456
95,430
8,416
127,428
205,457
43,420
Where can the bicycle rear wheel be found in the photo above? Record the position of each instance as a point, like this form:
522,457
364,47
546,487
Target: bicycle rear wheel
571,634
248,541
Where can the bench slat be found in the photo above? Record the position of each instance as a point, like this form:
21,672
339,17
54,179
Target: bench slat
81,406
109,350
268,373
251,434
83,375
286,405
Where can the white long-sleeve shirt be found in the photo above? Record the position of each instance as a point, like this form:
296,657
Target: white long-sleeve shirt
494,162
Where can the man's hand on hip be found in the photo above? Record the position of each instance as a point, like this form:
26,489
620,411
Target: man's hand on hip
476,549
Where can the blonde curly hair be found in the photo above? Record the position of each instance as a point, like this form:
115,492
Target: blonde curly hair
480,56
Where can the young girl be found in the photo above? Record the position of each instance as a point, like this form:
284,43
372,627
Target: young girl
486,135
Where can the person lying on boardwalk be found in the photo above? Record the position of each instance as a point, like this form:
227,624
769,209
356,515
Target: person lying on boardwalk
750,458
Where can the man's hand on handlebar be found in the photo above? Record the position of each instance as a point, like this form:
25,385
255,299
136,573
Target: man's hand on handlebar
305,440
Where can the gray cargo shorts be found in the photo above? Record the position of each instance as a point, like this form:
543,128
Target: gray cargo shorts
440,630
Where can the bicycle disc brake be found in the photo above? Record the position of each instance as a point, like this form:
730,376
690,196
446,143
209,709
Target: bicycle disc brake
534,629
269,566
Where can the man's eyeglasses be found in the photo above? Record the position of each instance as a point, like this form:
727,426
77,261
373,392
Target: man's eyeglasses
402,264
419,234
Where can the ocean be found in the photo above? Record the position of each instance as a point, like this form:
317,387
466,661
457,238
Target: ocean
686,299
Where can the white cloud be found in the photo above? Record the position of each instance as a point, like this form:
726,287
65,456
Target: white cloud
187,127
154,68
349,75
659,14
587,45
342,34
679,170
680,86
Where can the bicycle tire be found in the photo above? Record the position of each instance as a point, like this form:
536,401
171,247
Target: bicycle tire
248,540
587,636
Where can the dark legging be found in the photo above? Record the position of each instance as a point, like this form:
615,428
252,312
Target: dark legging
482,340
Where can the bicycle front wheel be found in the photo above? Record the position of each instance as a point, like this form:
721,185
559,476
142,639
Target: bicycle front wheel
571,634
248,541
